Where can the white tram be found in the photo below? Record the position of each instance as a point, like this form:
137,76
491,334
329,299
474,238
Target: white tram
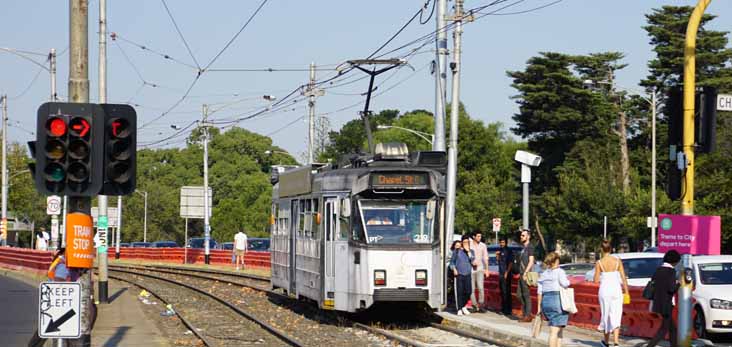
347,236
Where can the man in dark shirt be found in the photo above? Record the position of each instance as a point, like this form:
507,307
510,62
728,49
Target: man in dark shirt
505,262
526,262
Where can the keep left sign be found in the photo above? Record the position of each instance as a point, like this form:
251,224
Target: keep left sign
59,310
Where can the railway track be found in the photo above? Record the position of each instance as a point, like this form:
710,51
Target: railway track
421,333
212,318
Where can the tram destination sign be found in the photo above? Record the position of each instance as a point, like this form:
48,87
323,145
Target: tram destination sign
399,179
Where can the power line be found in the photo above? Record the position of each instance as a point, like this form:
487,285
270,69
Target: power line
236,35
32,82
145,48
180,34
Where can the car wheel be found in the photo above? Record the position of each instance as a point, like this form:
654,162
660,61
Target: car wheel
700,324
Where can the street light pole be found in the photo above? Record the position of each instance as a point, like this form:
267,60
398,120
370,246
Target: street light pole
206,226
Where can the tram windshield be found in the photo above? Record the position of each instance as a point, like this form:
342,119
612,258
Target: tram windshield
397,222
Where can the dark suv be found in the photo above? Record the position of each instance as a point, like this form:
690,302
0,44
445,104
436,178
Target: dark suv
198,242
164,244
258,244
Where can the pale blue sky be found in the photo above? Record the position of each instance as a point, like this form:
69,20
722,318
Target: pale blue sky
291,34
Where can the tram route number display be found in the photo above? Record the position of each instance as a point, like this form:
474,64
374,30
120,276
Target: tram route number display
399,179
79,240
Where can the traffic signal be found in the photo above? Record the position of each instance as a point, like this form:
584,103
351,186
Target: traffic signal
706,121
68,150
120,141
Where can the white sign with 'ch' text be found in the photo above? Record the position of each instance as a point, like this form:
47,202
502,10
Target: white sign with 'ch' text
59,310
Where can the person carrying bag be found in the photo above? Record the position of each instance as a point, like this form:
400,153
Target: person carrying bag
552,281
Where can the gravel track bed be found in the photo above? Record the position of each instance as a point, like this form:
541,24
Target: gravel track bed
218,324
242,279
300,320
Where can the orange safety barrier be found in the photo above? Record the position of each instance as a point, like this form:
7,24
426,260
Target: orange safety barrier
637,320
24,258
194,255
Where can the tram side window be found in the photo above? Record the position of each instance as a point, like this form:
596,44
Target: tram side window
357,229
301,220
344,225
314,227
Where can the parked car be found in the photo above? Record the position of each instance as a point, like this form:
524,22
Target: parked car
639,267
140,244
124,244
164,244
712,294
198,242
258,244
516,249
574,269
226,246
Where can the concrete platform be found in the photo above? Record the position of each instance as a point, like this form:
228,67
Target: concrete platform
123,323
512,332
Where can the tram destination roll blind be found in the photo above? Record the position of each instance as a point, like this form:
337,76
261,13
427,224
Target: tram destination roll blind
399,179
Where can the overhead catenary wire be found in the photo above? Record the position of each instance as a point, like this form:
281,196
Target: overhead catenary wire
180,34
116,36
216,57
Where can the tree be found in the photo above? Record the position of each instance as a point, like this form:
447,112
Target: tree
352,136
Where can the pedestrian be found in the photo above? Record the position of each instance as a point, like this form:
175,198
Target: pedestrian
526,263
550,305
240,248
480,271
664,289
462,268
504,256
57,272
610,275
42,240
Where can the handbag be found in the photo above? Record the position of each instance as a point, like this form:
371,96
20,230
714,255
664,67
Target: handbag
536,326
566,296
626,299
649,290
531,278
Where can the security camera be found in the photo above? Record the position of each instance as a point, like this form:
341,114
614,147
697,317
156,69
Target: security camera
527,158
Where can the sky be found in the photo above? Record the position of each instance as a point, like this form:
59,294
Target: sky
289,35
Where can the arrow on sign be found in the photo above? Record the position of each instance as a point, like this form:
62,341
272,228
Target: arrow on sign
53,326
82,128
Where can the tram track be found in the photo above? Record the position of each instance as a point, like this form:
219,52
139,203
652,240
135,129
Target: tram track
420,333
221,327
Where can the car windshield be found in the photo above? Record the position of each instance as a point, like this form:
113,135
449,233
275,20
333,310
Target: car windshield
715,273
397,222
641,267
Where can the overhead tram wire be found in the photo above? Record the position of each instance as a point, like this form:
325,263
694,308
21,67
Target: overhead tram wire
32,82
527,11
145,48
201,71
180,34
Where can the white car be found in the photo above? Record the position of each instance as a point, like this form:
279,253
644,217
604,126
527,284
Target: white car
712,294
639,267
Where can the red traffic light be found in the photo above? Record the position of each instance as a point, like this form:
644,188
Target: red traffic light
79,126
56,127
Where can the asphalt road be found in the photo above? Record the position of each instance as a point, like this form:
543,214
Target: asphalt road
18,320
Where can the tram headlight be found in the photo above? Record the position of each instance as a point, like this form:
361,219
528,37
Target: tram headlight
379,277
420,278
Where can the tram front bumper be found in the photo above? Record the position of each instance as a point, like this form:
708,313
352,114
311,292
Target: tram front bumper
401,294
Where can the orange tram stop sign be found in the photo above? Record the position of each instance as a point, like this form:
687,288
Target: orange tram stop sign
79,241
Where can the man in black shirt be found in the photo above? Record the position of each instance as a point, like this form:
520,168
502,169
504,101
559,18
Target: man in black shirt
526,262
505,262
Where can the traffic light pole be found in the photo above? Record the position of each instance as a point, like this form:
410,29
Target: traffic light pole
79,93
206,225
102,219
687,200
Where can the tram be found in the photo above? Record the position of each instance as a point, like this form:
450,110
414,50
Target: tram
369,229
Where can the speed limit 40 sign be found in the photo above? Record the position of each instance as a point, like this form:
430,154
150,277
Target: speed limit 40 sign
53,205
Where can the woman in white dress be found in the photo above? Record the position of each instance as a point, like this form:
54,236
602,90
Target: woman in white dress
609,273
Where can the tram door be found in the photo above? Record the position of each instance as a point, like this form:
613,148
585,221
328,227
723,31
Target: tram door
331,222
294,215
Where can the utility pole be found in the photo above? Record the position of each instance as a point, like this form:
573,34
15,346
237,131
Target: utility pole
687,200
52,70
4,174
311,92
206,225
440,75
454,115
654,220
79,92
102,219
119,224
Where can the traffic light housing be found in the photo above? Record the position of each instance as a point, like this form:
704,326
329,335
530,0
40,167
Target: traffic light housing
69,149
120,148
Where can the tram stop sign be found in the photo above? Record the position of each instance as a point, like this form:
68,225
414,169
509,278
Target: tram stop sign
59,310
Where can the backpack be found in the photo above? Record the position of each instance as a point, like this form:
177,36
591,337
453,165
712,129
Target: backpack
649,290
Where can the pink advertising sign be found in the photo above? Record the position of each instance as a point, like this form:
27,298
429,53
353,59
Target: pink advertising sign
689,234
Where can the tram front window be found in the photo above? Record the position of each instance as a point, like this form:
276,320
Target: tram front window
397,222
